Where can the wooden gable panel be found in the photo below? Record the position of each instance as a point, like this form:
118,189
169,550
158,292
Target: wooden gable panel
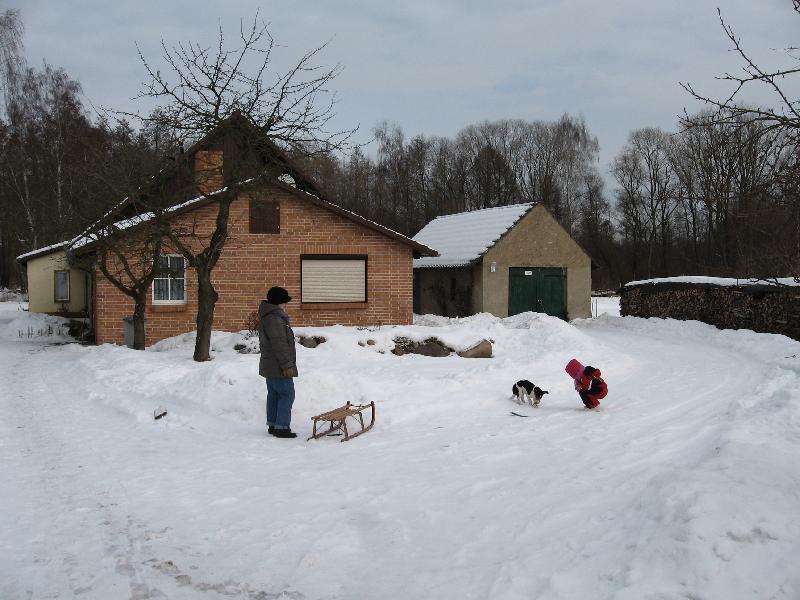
265,216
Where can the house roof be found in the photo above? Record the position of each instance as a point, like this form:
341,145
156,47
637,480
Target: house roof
297,182
418,247
463,238
23,258
84,242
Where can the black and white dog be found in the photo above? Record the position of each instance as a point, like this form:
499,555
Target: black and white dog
523,390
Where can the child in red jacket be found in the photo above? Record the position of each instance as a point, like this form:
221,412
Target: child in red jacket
588,383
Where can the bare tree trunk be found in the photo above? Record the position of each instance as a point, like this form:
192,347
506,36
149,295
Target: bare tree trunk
206,299
138,321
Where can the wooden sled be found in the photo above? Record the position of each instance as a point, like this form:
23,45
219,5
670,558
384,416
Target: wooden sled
337,418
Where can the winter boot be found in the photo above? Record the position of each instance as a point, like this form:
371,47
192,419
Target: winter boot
284,433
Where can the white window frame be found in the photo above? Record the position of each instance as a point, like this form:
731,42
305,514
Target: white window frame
169,278
55,287
361,258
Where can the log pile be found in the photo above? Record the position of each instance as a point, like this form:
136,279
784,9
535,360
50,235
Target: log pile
763,308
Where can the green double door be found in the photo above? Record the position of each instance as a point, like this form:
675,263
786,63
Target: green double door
538,289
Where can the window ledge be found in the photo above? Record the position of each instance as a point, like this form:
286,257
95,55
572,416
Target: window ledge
165,308
334,305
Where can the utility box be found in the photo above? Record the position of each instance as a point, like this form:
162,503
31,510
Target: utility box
127,331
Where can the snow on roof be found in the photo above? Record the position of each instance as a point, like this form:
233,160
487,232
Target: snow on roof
720,281
87,238
42,251
463,238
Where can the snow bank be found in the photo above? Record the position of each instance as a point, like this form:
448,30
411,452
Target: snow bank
605,305
229,387
16,323
720,281
14,296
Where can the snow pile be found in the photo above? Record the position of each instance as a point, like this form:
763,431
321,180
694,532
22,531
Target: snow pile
16,323
229,387
7,295
719,281
682,485
605,305
464,237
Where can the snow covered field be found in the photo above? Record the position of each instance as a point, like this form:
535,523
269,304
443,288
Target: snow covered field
685,484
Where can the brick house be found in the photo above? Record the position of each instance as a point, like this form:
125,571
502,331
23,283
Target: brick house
339,267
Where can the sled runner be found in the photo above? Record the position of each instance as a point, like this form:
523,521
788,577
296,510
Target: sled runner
337,419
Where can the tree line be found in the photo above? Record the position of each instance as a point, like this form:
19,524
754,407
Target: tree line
61,167
712,198
716,196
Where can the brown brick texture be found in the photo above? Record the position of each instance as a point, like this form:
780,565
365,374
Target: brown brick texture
251,263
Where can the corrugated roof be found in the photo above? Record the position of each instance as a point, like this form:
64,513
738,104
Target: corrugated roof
464,237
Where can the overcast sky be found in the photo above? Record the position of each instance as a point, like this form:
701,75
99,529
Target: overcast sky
434,67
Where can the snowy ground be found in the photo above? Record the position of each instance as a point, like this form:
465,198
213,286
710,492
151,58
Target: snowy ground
683,485
604,305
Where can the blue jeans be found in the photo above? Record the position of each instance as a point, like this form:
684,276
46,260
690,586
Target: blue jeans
280,397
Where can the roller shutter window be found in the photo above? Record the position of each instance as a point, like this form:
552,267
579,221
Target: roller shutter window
334,279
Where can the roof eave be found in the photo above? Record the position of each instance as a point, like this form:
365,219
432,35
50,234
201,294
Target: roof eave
418,248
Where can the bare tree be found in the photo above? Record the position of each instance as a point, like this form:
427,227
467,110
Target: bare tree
11,62
729,110
595,231
12,59
127,240
202,89
44,154
131,262
645,179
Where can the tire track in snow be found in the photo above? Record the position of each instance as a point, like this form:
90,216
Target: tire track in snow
689,435
69,502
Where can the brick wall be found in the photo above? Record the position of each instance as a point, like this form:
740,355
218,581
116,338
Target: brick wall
252,263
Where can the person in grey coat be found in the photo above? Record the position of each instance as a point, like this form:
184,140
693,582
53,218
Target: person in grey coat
278,363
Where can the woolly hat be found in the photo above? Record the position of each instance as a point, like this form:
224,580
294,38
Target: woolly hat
278,295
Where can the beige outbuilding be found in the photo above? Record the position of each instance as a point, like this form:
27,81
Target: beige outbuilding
54,286
503,261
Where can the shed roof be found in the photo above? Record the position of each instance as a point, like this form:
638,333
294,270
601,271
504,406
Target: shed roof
463,238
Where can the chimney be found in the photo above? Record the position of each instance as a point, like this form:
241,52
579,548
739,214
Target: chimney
208,170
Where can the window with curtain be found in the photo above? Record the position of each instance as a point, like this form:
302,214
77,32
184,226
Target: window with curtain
169,287
333,278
